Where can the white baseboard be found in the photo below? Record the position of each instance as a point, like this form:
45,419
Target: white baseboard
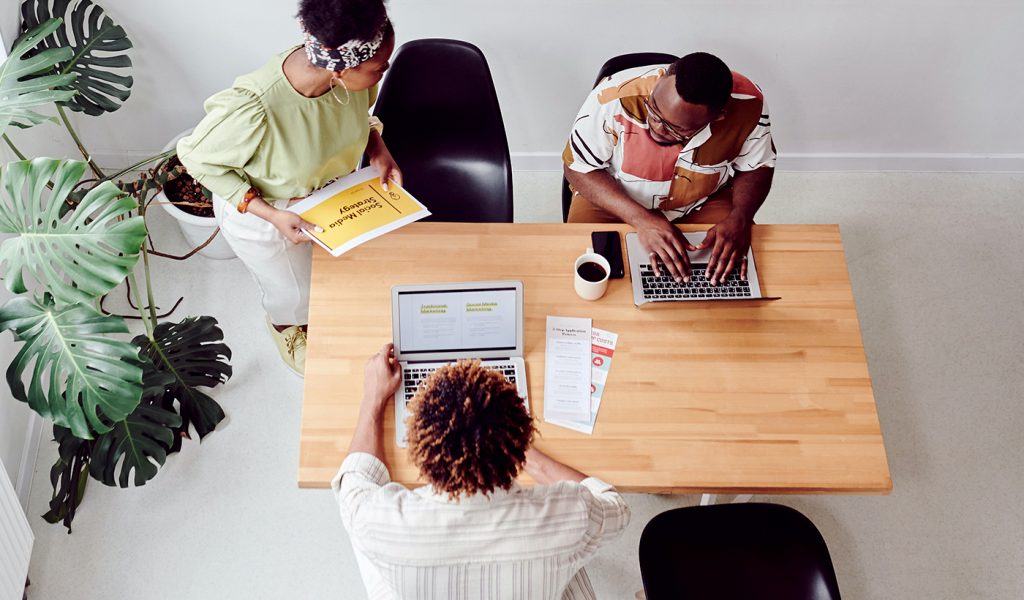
27,469
536,161
900,162
839,162
792,161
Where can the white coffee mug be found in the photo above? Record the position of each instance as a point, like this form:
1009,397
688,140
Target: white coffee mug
587,289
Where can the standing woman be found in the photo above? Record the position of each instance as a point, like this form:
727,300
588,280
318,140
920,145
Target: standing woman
283,131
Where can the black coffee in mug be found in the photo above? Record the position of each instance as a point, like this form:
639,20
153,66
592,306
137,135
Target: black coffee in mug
592,272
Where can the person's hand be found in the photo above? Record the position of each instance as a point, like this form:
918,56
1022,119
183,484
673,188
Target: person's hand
387,166
381,378
664,241
291,225
729,241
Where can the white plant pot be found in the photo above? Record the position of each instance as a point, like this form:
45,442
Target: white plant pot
196,229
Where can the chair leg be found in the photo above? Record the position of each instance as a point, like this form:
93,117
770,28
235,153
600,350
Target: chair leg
709,499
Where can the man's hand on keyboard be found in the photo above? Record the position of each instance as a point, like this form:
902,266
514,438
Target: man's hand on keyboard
729,241
666,244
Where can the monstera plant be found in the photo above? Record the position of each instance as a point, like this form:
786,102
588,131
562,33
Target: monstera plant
119,405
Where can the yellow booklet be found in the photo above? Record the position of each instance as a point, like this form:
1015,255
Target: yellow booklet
355,209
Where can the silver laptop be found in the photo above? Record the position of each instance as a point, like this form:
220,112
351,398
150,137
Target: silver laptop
436,324
648,287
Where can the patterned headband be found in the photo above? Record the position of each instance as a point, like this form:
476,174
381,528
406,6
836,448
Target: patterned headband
350,54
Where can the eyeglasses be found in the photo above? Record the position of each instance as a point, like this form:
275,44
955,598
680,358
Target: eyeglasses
673,131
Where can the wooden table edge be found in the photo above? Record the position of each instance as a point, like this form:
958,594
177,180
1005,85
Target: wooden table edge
881,490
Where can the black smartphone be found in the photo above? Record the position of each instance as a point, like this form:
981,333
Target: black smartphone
608,245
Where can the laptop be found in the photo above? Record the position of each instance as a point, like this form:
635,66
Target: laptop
437,324
648,287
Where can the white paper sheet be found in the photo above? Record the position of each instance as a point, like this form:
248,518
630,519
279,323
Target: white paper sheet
567,369
602,351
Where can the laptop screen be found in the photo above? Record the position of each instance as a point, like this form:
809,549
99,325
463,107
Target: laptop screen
457,320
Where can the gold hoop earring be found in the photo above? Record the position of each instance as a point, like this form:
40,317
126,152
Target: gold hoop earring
348,95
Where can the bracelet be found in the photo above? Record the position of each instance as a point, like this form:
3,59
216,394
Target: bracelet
253,193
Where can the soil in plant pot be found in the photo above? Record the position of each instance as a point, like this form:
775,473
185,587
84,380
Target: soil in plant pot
187,193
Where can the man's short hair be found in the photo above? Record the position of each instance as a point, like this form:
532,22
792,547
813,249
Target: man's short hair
468,430
702,78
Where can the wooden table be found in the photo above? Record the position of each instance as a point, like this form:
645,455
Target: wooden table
728,397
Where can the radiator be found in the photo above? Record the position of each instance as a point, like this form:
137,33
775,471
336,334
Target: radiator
15,541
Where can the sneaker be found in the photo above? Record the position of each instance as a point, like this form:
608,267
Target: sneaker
291,344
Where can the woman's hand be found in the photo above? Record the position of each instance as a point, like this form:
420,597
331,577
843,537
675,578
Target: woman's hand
288,223
381,378
291,225
381,158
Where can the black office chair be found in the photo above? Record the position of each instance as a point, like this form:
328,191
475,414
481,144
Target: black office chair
614,65
735,551
443,126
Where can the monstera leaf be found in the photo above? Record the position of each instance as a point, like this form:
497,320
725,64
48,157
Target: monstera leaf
193,353
98,48
77,459
78,257
20,92
68,476
80,377
138,444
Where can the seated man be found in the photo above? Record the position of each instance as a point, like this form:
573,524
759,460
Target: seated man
658,145
471,532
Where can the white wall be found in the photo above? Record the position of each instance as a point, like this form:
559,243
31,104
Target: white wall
928,84
18,425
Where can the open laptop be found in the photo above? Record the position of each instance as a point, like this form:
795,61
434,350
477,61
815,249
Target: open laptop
436,324
648,287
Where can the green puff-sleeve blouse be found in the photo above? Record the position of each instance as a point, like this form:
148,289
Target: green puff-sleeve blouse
262,133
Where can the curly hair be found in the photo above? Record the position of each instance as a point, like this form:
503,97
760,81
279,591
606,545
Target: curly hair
468,430
335,22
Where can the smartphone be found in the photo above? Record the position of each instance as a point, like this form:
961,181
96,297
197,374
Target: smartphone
608,245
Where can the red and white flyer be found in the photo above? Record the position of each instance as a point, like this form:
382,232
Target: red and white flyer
602,350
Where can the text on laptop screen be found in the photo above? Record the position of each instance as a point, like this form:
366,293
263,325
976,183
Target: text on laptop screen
457,320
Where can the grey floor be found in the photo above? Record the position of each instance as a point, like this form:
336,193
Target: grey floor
937,275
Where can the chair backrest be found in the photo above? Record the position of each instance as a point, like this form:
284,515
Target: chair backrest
610,67
443,125
735,551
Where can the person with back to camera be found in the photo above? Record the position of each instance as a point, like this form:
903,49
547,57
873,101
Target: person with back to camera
283,131
472,531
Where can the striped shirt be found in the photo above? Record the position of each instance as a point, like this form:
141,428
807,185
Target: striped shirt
611,133
525,543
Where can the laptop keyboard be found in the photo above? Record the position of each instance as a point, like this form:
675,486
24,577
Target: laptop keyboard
664,287
415,376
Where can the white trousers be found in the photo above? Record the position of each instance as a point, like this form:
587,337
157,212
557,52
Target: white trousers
281,269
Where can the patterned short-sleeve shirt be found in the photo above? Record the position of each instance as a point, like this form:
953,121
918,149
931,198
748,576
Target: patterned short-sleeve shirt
611,133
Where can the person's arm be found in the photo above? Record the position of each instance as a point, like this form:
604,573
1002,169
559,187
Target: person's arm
608,513
381,378
656,232
730,238
363,472
546,470
216,152
288,223
381,158
754,169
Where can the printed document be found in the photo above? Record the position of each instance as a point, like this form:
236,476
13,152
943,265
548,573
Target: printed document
355,209
602,351
567,369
